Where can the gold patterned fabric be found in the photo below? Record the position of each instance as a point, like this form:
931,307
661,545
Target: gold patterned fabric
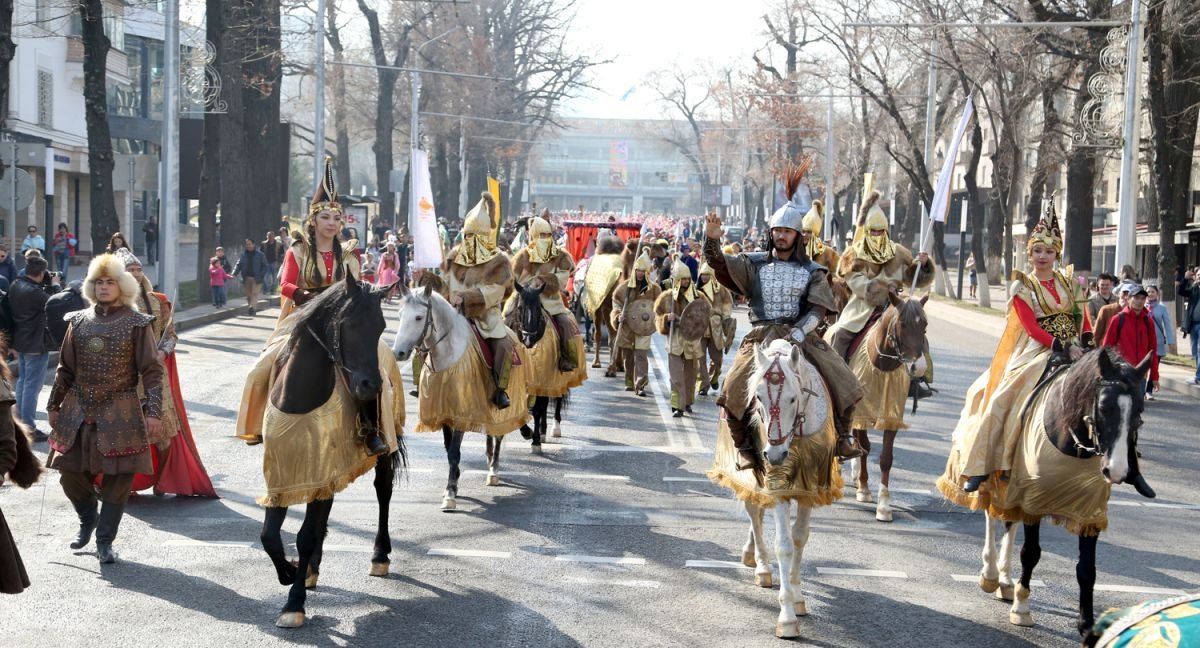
882,406
460,396
542,375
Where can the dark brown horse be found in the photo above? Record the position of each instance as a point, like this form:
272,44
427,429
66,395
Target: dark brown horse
335,337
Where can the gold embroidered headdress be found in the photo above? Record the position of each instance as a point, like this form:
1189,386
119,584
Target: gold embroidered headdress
1047,232
325,196
812,223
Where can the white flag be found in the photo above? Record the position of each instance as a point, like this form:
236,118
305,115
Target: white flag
941,192
427,245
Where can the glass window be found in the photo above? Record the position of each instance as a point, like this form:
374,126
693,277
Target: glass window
45,99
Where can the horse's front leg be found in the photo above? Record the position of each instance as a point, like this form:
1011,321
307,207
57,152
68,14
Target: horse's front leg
385,478
272,543
989,576
863,492
754,554
1031,553
883,510
1007,587
786,626
539,423
1085,574
452,439
311,535
598,338
493,458
800,532
556,431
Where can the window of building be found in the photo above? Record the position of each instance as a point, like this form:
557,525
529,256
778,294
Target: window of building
43,14
114,27
45,99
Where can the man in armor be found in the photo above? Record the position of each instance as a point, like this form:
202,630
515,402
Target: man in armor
543,261
479,278
97,416
714,341
788,296
683,354
634,348
872,268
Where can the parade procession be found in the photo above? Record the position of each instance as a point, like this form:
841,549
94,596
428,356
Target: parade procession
849,324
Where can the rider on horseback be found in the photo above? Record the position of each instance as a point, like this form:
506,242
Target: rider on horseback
872,267
788,297
543,261
480,277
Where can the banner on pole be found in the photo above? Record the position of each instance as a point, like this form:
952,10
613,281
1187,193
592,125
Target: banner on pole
494,189
427,245
940,208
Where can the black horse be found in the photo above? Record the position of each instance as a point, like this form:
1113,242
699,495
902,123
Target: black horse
531,317
335,337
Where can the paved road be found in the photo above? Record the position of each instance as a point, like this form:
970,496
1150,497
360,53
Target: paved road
587,545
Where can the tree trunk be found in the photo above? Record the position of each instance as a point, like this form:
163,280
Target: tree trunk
385,119
210,162
1081,180
95,99
975,209
261,105
8,50
341,135
232,172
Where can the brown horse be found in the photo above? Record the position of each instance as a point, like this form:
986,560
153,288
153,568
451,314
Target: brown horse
890,354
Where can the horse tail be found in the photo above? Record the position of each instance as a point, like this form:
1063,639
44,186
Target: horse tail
399,459
563,401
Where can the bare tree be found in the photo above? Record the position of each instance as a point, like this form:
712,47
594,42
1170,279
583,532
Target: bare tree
95,98
8,49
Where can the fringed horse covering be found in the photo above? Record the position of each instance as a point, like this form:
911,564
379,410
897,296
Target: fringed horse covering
542,375
460,396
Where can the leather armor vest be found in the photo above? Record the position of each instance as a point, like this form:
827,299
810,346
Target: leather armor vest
780,293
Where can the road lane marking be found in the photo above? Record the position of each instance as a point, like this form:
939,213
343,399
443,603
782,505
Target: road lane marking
715,564
1136,589
224,544
502,473
647,584
664,403
468,553
1186,507
974,578
601,560
1124,503
589,447
876,573
698,480
596,476
913,491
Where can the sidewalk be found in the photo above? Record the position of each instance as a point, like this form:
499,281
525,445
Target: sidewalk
1171,377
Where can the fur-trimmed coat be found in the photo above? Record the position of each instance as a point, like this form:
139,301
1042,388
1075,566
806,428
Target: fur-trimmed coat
722,309
830,258
869,284
483,289
667,304
625,337
553,274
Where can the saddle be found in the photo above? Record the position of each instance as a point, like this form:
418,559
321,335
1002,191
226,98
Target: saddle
862,335
486,349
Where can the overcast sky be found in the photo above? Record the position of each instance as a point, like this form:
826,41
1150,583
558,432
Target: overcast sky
642,36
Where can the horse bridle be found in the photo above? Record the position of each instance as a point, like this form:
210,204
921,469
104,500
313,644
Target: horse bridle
1090,421
335,354
421,346
891,339
775,378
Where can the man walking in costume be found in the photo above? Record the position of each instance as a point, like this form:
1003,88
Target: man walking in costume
634,348
177,466
541,259
713,343
788,297
95,411
683,354
479,277
874,266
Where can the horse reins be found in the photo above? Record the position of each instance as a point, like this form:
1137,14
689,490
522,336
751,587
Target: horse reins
892,340
422,347
775,378
1090,422
334,354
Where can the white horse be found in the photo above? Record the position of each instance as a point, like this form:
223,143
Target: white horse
793,404
455,383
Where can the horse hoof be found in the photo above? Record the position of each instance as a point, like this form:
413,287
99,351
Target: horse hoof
764,580
448,504
311,581
290,620
787,630
1023,619
863,495
493,479
748,559
535,449
556,431
883,514
1005,592
801,608
379,569
990,585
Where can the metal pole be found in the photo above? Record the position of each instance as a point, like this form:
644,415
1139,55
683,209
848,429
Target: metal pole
962,247
829,171
168,203
413,124
1127,222
12,206
319,100
462,168
49,195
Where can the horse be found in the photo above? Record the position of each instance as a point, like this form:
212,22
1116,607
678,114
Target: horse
1078,438
332,348
890,354
546,382
802,470
602,318
455,394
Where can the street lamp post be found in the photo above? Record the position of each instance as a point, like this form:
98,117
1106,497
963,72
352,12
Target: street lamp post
413,126
319,99
1127,221
168,203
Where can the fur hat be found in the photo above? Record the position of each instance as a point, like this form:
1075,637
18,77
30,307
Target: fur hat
109,265
128,258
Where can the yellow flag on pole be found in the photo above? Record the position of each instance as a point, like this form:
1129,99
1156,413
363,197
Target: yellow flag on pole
494,188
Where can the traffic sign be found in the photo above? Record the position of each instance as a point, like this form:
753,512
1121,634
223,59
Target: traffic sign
24,189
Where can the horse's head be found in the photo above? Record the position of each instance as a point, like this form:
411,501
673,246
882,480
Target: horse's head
781,384
1117,414
351,335
904,328
533,324
416,318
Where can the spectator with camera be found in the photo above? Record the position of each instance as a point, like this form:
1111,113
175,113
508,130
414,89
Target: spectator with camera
31,342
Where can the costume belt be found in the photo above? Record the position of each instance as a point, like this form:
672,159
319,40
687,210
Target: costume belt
781,321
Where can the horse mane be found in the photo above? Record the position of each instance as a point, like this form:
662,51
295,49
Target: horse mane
1079,387
325,309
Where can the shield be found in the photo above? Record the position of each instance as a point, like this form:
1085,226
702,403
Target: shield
694,320
639,317
730,328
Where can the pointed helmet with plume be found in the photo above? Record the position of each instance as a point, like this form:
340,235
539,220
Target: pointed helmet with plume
478,246
813,221
791,214
1047,232
878,249
325,196
541,239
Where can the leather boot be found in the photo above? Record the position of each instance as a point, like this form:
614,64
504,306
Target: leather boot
371,439
846,448
742,432
501,371
88,516
566,351
106,532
